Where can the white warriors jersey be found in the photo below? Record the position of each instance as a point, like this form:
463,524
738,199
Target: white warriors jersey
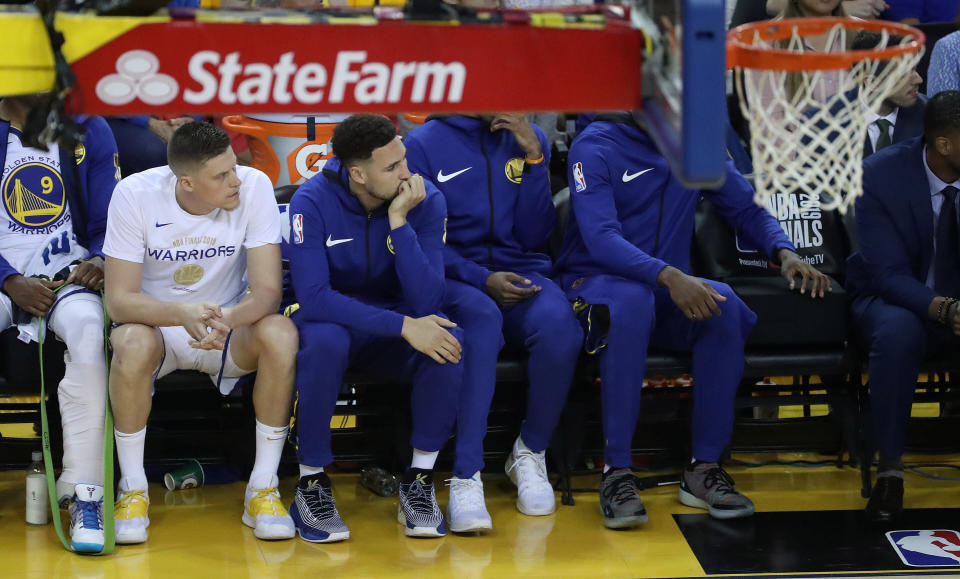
36,233
190,258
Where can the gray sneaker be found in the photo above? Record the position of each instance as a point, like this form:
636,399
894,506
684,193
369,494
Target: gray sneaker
705,485
620,500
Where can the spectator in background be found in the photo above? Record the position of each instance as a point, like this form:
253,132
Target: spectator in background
827,83
900,115
944,70
142,140
866,9
922,11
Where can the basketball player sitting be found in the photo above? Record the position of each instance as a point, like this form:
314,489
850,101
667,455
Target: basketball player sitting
54,224
193,279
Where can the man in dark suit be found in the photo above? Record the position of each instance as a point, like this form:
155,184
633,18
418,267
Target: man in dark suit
900,115
903,276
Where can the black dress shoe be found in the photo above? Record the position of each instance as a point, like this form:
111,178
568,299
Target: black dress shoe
886,500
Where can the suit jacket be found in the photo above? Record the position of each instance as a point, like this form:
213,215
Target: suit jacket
895,227
909,125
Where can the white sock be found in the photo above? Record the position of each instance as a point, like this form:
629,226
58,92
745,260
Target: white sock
423,459
606,467
270,440
309,470
82,394
130,455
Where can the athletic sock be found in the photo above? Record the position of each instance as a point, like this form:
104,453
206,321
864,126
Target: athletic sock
270,440
890,467
423,459
130,456
309,470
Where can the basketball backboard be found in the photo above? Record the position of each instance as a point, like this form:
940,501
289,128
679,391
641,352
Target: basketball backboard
684,96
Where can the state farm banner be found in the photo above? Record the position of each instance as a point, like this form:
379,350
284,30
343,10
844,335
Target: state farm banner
184,67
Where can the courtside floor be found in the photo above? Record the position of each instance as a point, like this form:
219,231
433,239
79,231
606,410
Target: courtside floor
809,522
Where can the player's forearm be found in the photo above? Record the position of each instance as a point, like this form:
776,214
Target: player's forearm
254,306
139,308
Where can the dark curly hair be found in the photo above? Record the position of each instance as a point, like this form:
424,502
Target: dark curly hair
356,137
942,116
194,144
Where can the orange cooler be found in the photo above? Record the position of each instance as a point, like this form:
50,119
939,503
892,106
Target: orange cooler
281,145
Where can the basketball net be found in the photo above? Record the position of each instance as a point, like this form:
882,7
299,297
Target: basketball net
809,111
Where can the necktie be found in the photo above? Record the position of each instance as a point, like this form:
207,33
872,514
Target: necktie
946,268
884,140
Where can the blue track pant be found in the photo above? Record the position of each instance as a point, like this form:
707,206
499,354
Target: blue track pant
544,326
642,316
326,350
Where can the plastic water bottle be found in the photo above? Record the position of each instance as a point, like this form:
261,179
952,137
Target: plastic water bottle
379,481
36,491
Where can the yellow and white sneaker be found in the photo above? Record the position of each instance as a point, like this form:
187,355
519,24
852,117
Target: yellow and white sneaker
266,515
130,516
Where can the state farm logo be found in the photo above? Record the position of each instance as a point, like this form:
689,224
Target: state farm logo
137,77
228,79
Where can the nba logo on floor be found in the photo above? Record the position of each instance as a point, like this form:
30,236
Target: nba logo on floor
927,548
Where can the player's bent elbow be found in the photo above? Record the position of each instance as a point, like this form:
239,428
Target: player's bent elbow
114,309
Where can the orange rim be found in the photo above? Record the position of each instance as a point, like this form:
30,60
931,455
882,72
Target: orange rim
742,53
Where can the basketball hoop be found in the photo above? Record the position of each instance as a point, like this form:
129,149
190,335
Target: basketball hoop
809,111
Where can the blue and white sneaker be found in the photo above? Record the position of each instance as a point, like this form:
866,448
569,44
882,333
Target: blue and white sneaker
86,519
419,511
314,511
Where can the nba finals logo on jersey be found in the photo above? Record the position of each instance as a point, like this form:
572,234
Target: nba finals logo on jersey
579,181
935,548
80,152
33,196
514,170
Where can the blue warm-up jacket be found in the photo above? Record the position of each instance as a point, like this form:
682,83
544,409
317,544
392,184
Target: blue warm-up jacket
500,207
89,187
349,268
631,217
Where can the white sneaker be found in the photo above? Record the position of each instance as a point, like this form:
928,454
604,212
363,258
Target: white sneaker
266,515
466,510
86,519
528,470
130,518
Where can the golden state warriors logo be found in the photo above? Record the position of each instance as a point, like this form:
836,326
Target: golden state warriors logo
188,274
80,152
514,169
33,195
390,246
